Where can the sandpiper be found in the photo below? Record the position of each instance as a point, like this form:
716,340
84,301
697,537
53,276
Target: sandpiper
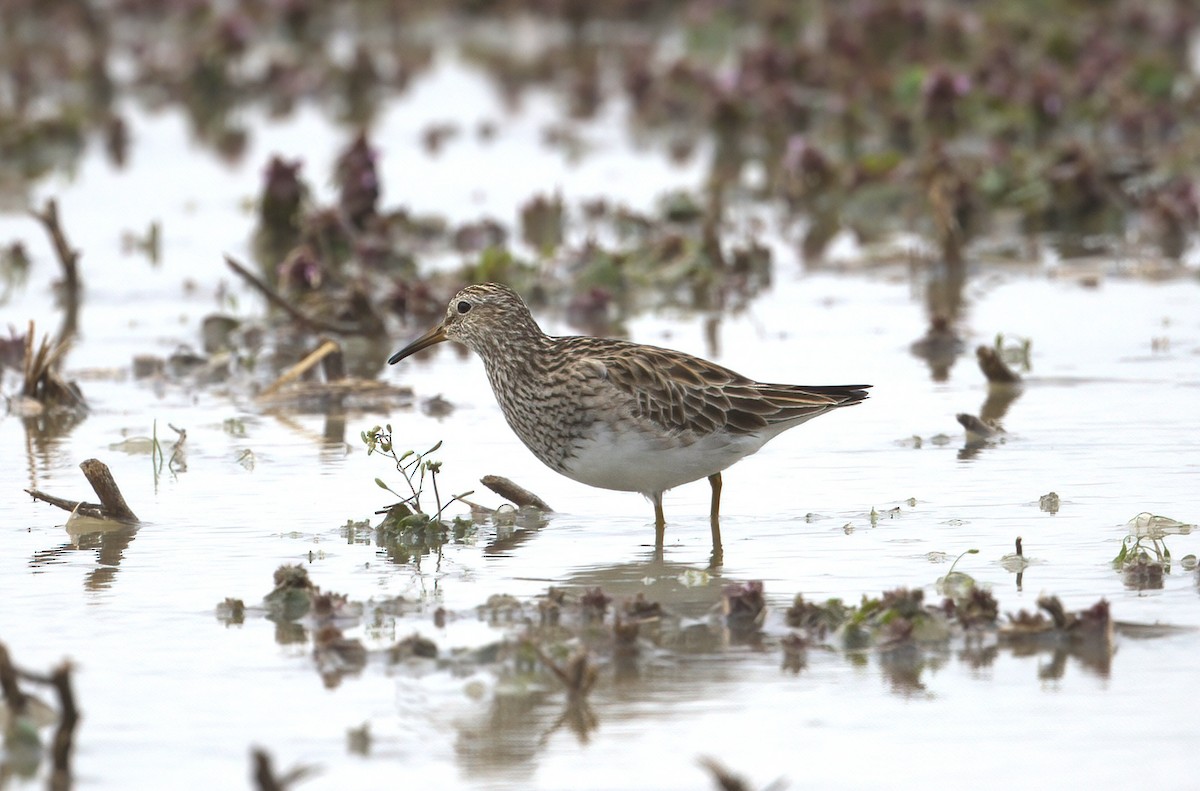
621,415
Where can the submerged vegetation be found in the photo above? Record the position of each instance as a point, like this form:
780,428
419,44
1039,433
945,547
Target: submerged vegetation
407,531
1144,557
592,646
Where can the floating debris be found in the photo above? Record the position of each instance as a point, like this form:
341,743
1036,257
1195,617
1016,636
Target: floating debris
1015,562
977,430
745,608
413,646
994,368
1147,525
817,621
1091,628
1143,573
337,656
642,609
517,495
437,407
232,611
977,610
594,604
291,598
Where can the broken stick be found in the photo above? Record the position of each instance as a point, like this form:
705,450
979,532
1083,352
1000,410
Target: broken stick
112,505
515,494
300,368
281,302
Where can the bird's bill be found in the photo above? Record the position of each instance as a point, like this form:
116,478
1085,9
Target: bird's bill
434,336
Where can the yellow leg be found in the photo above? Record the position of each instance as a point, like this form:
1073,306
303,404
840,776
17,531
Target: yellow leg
660,521
714,513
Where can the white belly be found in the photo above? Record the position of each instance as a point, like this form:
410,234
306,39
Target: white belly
632,462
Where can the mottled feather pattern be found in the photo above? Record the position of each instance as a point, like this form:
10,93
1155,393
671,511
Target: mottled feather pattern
682,393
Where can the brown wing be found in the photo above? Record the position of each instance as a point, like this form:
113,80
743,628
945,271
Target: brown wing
684,393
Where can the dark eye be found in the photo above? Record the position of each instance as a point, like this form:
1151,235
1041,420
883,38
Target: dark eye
464,306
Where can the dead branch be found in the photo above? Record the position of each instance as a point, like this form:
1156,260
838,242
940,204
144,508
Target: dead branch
67,255
264,775
112,503
515,494
68,258
281,302
101,480
726,780
300,368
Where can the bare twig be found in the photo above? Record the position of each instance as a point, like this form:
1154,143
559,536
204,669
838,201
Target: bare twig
265,778
68,257
279,301
264,775
83,509
300,368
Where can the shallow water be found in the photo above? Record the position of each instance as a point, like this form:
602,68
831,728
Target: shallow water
172,696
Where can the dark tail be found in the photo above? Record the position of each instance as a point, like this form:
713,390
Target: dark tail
844,395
